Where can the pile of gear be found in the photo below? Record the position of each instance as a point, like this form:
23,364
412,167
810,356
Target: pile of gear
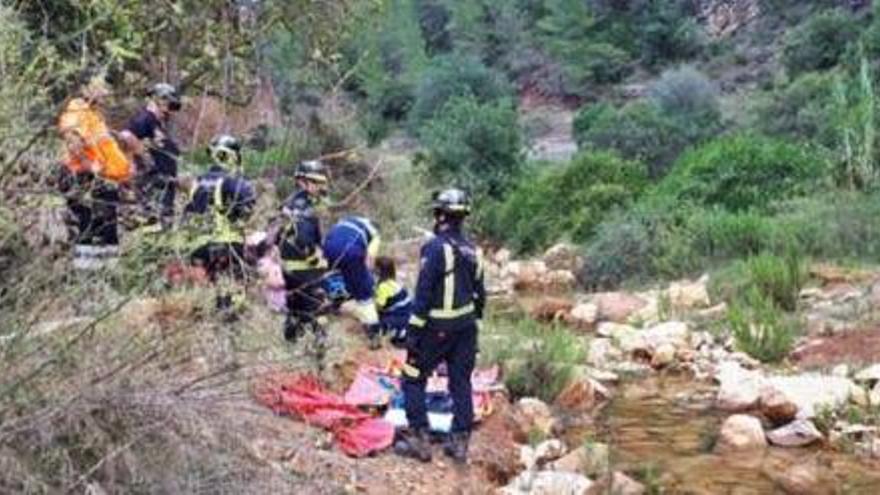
437,324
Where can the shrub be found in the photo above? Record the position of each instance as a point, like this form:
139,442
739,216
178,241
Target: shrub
600,63
687,96
668,31
760,328
453,75
568,202
819,43
798,110
778,278
536,360
744,171
475,144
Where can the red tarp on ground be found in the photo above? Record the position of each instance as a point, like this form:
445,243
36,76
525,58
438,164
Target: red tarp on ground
357,433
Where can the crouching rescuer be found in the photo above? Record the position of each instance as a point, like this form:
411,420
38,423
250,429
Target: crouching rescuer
221,201
448,306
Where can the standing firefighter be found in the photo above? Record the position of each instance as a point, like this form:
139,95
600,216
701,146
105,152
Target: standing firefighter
448,307
299,242
94,166
350,245
157,154
220,202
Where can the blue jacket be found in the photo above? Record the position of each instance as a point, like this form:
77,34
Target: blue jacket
450,290
228,198
352,235
300,239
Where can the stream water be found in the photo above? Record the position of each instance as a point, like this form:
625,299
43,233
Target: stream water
666,427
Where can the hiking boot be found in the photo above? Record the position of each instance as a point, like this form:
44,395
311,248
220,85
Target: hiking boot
456,447
293,329
413,444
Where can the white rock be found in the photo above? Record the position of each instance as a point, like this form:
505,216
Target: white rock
534,414
548,483
628,339
585,315
686,294
549,450
675,333
663,356
799,433
870,374
812,392
650,313
741,432
527,458
740,389
841,370
502,256
609,328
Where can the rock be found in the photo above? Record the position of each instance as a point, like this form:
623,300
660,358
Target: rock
563,257
551,309
841,370
617,484
583,316
573,462
547,483
602,352
740,389
533,415
799,433
577,396
869,375
559,281
673,333
494,445
663,356
811,392
714,313
650,313
609,328
776,407
502,257
526,275
801,479
687,295
549,450
629,340
741,432
597,459
618,306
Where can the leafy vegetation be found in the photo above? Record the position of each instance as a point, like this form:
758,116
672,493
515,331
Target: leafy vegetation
761,329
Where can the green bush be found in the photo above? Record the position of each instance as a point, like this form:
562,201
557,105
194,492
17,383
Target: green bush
799,110
669,31
687,96
567,202
744,171
454,75
778,278
820,43
760,328
536,360
477,145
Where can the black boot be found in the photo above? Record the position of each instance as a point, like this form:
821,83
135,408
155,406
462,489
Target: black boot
456,447
293,329
414,444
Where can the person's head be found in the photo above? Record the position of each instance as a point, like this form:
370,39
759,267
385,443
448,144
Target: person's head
164,100
225,151
451,207
311,177
385,268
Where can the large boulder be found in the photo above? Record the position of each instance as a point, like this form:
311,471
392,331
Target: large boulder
494,446
673,333
741,432
687,295
563,257
526,275
551,309
618,306
869,375
548,483
799,433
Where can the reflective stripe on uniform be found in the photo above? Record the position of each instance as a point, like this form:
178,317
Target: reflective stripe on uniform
451,314
416,321
367,233
314,262
449,279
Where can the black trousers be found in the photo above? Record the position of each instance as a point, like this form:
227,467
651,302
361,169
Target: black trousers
458,347
304,293
94,207
220,257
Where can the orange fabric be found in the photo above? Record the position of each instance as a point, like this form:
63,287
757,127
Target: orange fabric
99,152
